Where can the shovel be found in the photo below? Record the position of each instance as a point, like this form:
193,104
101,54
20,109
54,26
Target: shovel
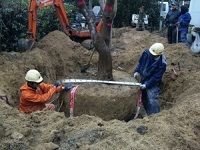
86,66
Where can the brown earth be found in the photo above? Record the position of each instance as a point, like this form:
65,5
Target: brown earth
177,126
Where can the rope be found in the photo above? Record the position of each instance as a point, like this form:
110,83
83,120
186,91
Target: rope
58,94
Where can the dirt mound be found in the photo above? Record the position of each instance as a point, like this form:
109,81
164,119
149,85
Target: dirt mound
56,56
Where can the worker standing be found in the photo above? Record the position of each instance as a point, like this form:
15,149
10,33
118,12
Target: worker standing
183,23
35,94
150,69
171,19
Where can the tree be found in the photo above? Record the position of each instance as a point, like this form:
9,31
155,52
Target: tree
101,40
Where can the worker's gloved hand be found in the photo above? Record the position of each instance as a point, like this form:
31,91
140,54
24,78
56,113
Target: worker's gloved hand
136,75
177,23
57,83
59,88
143,86
68,86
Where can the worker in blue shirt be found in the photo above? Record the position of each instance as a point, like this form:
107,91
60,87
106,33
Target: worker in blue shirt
183,24
150,69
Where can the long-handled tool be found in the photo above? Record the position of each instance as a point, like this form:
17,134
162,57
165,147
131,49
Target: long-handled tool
86,66
177,33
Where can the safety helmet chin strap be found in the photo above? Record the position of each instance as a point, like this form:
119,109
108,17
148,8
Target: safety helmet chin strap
32,85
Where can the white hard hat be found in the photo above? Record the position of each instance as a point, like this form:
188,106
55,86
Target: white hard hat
156,49
33,76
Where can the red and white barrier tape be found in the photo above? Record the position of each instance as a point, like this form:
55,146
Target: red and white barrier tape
139,104
71,109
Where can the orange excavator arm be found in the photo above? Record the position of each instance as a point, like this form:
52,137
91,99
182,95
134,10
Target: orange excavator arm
32,17
61,13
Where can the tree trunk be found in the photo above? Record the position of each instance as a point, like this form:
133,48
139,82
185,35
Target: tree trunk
90,4
102,40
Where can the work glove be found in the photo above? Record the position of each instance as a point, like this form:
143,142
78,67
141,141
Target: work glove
143,86
68,86
59,88
57,83
136,75
166,24
177,23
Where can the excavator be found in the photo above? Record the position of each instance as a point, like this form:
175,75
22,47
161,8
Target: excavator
70,30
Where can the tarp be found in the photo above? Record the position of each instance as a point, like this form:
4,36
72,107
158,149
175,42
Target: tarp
194,11
96,10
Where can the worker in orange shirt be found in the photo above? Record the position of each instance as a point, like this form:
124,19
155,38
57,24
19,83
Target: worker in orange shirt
35,93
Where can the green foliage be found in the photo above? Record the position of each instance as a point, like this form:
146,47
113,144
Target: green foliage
154,16
126,8
13,20
48,21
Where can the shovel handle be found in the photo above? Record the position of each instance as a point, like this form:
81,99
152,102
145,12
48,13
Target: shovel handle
177,33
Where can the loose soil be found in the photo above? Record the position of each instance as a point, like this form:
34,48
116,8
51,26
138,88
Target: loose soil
176,127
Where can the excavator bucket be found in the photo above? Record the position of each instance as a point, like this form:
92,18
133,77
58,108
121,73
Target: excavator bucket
25,44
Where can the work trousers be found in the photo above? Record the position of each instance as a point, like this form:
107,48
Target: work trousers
150,100
171,34
183,37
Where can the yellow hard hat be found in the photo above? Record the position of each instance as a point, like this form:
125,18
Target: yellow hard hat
156,49
33,76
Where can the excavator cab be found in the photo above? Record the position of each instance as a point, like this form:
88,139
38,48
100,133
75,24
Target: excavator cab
80,19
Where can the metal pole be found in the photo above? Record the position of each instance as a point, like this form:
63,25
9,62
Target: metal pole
178,1
177,33
66,81
1,26
161,15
